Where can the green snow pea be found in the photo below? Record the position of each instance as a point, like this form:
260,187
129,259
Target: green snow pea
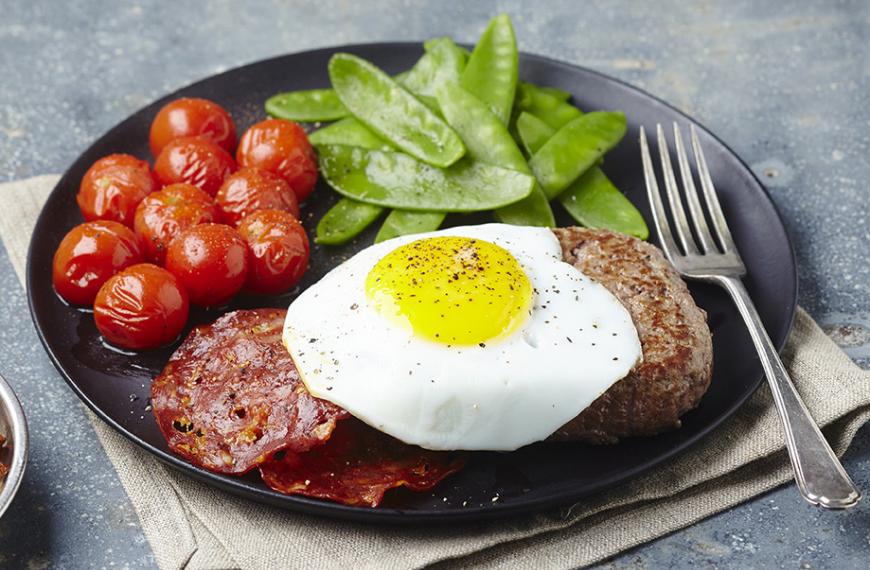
488,140
491,71
310,106
595,202
392,112
533,210
550,108
524,87
324,105
592,200
533,132
405,222
396,180
351,132
427,45
344,221
347,217
442,63
575,148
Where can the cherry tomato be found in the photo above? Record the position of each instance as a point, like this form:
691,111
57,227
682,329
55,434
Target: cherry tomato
143,306
88,255
277,251
189,117
166,213
194,161
113,187
252,189
281,147
211,261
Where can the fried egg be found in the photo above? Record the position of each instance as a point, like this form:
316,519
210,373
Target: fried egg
468,338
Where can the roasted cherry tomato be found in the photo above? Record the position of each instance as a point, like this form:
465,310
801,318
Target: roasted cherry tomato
252,189
211,261
143,306
88,255
281,147
166,213
277,251
191,117
194,161
113,187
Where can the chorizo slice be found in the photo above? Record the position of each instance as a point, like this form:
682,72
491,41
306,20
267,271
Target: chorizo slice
357,466
230,396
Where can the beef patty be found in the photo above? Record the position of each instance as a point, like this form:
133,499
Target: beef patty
677,345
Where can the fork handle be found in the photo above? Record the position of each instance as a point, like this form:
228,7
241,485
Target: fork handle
820,476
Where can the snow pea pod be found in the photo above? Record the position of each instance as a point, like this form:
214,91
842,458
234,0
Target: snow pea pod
548,107
492,70
533,132
575,148
427,45
592,200
524,86
344,221
533,210
323,104
392,112
405,222
348,131
396,180
488,140
347,217
312,105
442,63
595,202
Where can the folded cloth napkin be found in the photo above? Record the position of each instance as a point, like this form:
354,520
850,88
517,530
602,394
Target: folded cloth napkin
192,525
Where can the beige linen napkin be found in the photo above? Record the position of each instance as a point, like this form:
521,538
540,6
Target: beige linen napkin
192,525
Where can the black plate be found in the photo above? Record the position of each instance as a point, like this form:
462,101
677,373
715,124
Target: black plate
116,386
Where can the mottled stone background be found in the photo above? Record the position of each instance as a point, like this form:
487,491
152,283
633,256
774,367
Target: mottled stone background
785,84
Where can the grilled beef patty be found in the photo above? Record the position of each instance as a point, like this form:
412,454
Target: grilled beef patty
677,345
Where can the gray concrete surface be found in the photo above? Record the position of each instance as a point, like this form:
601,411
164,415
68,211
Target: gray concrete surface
785,84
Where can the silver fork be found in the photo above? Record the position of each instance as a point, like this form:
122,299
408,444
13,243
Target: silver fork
820,476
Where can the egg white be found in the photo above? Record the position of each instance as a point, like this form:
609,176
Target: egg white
578,341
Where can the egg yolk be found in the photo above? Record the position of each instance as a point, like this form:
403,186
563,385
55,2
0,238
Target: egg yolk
452,290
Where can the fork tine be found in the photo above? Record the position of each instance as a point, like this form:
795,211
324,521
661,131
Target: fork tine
676,202
660,219
702,231
720,224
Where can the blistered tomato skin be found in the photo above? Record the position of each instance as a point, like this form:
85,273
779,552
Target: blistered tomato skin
113,187
195,161
210,261
190,117
142,307
281,147
89,255
166,213
252,189
278,251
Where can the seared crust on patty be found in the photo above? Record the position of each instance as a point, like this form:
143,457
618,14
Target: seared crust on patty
677,346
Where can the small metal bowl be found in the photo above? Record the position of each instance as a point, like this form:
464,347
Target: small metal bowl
14,453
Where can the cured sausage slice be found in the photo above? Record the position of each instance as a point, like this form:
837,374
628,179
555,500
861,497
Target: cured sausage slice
357,466
230,396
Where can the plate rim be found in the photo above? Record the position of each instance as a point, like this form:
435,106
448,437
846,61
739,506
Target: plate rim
386,515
